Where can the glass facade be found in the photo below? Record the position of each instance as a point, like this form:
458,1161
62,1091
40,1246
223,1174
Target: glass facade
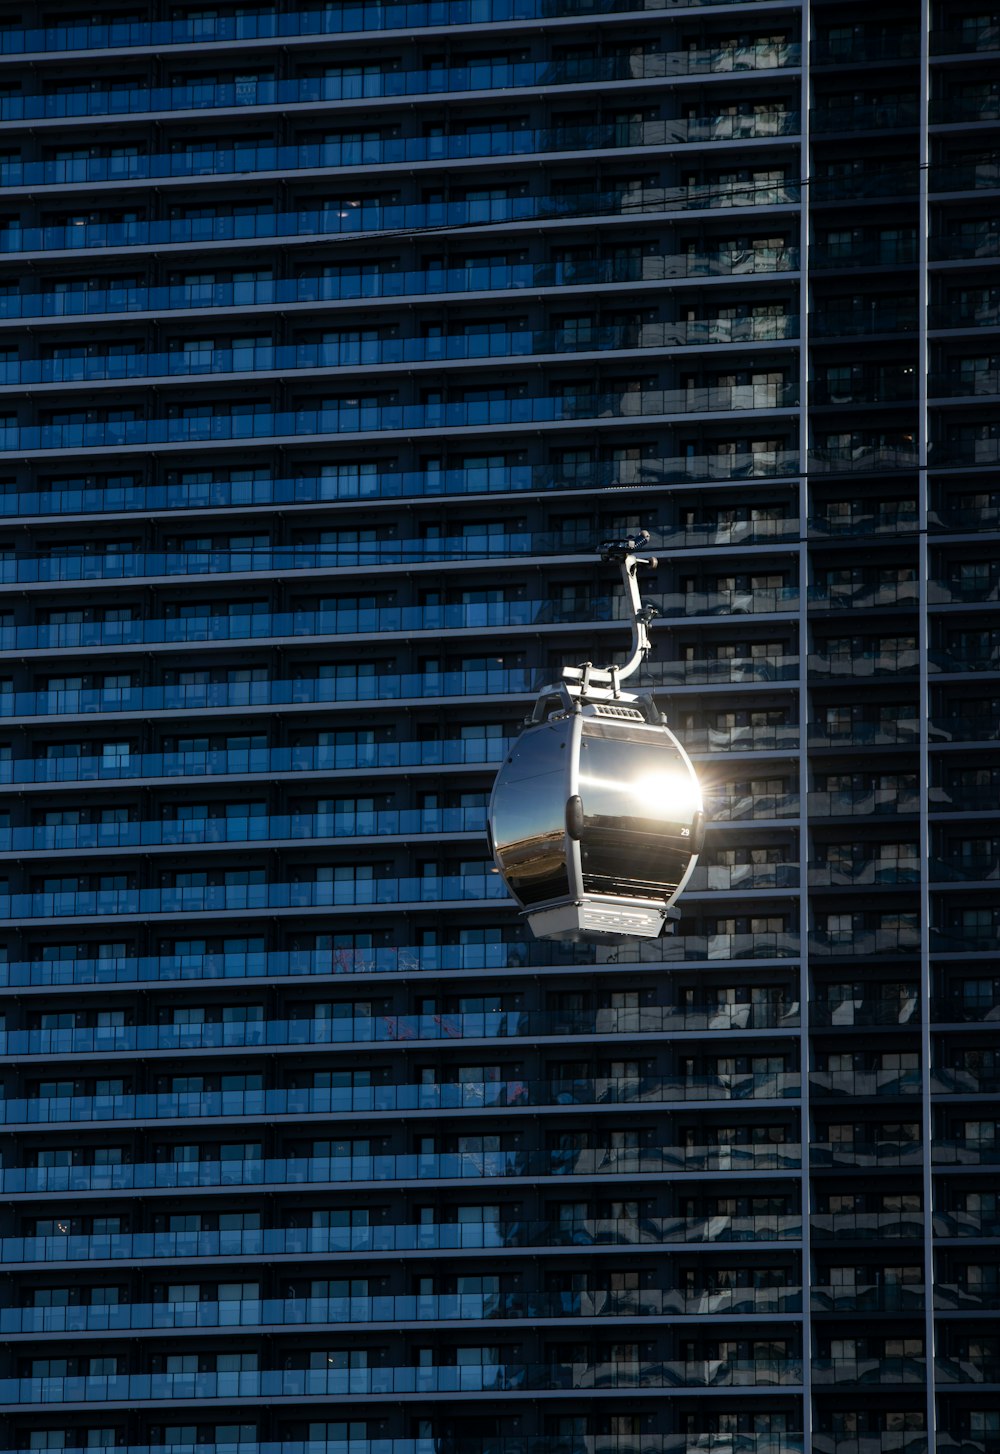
333,339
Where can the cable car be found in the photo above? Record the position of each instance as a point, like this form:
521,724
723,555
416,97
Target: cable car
596,816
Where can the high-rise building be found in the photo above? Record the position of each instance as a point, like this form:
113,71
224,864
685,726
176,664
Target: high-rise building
333,340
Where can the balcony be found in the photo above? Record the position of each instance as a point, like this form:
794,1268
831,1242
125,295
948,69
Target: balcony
260,761
358,485
297,1172
398,418
729,877
395,1311
367,1100
859,253
964,1010
956,869
307,964
874,183
892,114
865,872
212,696
383,84
955,246
301,628
976,33
252,898
966,1370
860,49
957,662
727,670
245,159
764,944
904,732
364,1384
873,1297
863,594
866,664
877,1010
782,737
867,1226
881,1372
859,943
889,389
972,939
725,807
965,174
898,517
975,591
392,217
393,1238
863,802
864,459
959,313
346,284
857,1155
269,24
881,316
973,383
873,1083
322,358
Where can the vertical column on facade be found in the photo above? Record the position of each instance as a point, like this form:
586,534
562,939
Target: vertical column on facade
962,540
867,1150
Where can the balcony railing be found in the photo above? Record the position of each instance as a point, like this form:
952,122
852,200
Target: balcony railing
855,1155
212,696
598,1162
375,1100
980,33
881,1010
958,940
867,1226
867,664
869,1371
399,1237
498,479
208,831
765,1443
871,594
377,84
871,1297
863,802
734,807
858,48
394,418
887,115
728,670
347,284
302,627
266,761
727,877
324,357
903,732
898,518
859,943
395,1310
960,1010
372,217
863,459
309,964
834,1083
765,944
976,591
242,159
341,19
368,1383
865,872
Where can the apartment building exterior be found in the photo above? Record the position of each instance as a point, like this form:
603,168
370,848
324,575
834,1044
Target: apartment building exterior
333,340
